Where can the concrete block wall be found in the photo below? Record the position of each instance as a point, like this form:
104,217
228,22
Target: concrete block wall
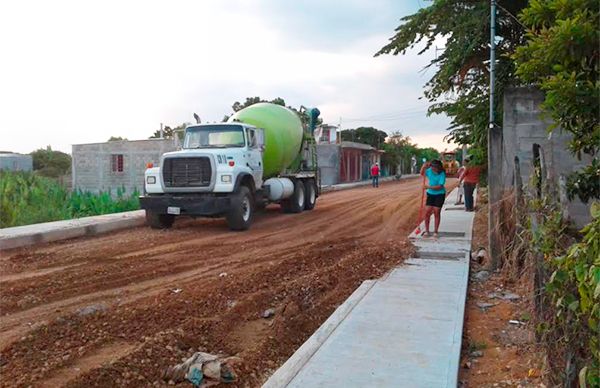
525,125
16,162
328,158
92,170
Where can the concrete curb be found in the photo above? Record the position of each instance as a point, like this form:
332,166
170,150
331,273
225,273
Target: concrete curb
20,236
286,373
346,186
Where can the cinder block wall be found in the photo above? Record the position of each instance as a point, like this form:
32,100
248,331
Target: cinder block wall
525,125
92,169
16,162
328,158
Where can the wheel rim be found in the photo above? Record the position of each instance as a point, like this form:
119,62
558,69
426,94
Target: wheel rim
300,198
245,209
313,196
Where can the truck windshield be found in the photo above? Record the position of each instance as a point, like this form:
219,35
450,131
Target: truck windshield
214,136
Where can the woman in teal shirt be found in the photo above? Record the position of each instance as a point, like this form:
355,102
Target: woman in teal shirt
436,193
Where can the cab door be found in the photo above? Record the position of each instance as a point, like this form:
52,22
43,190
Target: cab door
255,151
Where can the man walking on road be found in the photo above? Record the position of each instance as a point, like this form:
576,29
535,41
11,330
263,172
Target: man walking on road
375,174
470,179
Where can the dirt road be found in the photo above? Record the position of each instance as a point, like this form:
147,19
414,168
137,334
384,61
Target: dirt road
117,309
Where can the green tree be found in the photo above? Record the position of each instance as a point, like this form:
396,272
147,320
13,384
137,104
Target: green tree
170,133
117,138
50,163
366,135
459,88
398,152
562,56
427,154
237,106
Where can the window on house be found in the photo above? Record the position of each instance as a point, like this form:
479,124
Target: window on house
116,163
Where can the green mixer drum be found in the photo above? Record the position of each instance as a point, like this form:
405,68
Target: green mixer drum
283,134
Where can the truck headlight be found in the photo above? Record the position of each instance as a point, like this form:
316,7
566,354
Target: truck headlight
151,180
226,178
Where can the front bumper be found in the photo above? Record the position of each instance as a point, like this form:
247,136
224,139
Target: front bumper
193,205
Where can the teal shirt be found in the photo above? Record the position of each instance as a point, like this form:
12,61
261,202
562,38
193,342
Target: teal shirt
436,180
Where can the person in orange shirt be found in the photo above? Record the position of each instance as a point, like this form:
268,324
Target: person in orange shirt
470,179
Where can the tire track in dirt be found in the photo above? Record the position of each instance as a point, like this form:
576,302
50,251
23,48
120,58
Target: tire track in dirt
303,265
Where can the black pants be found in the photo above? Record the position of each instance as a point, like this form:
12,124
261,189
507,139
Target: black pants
469,189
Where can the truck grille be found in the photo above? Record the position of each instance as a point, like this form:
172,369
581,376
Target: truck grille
187,172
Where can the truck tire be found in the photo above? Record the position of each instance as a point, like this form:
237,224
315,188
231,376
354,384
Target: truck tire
310,189
159,221
241,213
295,204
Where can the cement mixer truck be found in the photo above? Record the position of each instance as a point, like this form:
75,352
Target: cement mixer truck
261,155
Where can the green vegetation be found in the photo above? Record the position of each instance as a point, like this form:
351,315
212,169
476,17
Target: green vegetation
28,198
170,133
459,88
50,163
575,291
562,56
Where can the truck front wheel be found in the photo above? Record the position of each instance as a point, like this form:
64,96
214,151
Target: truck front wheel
295,204
159,221
240,216
310,189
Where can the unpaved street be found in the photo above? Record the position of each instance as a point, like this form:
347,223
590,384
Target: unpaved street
117,309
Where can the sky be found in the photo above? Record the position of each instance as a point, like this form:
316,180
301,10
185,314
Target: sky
75,72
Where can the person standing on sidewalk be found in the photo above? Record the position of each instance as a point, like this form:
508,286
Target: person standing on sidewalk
375,174
470,179
436,193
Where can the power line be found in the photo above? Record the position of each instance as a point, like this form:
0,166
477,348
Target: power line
391,115
403,117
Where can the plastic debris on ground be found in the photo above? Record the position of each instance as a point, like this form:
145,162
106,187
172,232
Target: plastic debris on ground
202,370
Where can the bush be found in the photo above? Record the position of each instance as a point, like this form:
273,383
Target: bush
27,198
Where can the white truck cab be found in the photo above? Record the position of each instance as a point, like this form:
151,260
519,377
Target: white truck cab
213,156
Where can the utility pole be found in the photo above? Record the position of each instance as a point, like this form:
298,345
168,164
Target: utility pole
494,154
161,131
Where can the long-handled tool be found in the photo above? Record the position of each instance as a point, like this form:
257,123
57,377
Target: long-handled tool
421,209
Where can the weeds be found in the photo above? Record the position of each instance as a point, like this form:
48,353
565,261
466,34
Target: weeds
26,198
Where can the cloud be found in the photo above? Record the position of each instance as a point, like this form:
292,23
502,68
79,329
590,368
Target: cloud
82,72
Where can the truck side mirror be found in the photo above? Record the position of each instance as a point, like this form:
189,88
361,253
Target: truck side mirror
260,139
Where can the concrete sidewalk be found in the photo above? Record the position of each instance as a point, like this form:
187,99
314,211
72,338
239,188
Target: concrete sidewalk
403,330
20,236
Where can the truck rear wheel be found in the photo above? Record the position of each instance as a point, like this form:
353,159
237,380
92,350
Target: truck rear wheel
240,216
159,221
295,204
310,189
